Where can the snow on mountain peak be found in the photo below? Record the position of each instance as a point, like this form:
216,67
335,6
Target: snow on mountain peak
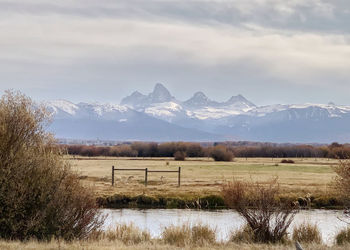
62,108
62,105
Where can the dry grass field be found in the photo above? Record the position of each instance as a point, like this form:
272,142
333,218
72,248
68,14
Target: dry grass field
203,176
154,245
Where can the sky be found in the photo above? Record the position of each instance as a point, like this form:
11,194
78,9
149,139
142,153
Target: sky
270,51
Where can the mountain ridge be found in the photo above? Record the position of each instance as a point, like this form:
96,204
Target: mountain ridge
200,118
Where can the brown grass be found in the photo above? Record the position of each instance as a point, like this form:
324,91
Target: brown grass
307,233
185,235
203,176
343,237
242,235
154,245
128,234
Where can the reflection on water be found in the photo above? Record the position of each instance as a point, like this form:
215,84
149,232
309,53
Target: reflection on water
225,221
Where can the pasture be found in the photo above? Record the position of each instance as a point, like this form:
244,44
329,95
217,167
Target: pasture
203,176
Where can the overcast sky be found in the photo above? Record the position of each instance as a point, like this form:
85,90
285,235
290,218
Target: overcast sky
270,51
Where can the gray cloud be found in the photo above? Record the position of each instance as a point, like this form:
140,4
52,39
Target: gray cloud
102,50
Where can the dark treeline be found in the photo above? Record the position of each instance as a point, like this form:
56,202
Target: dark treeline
189,149
140,149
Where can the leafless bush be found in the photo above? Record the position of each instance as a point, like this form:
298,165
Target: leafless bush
221,153
180,156
40,197
342,183
343,178
287,161
268,218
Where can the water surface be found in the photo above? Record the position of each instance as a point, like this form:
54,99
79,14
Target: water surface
224,221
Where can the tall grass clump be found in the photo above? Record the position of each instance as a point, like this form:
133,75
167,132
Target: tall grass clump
128,234
184,235
343,237
257,203
243,235
307,233
40,197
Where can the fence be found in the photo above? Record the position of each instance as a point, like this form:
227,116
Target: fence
148,171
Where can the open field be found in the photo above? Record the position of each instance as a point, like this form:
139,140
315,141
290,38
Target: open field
203,176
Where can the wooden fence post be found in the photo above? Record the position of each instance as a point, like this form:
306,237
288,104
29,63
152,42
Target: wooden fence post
179,177
146,173
112,175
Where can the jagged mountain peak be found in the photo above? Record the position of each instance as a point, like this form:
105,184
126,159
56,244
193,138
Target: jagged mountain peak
159,87
239,99
138,100
136,94
160,94
199,99
200,95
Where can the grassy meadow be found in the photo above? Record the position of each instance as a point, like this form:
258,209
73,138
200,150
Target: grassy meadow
203,176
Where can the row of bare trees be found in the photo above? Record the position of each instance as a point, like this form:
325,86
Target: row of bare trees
189,149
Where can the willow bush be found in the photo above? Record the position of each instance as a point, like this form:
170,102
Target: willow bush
221,153
40,197
267,217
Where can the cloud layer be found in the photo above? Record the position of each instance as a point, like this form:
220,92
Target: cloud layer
268,50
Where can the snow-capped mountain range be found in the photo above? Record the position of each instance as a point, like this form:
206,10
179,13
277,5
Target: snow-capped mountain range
159,116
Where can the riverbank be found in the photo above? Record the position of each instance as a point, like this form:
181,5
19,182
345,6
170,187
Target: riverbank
206,202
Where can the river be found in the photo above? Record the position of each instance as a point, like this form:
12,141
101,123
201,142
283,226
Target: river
330,222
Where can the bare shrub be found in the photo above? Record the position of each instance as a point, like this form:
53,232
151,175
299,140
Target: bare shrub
343,178
307,233
197,235
342,182
180,156
128,234
40,197
287,161
343,237
258,205
221,153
